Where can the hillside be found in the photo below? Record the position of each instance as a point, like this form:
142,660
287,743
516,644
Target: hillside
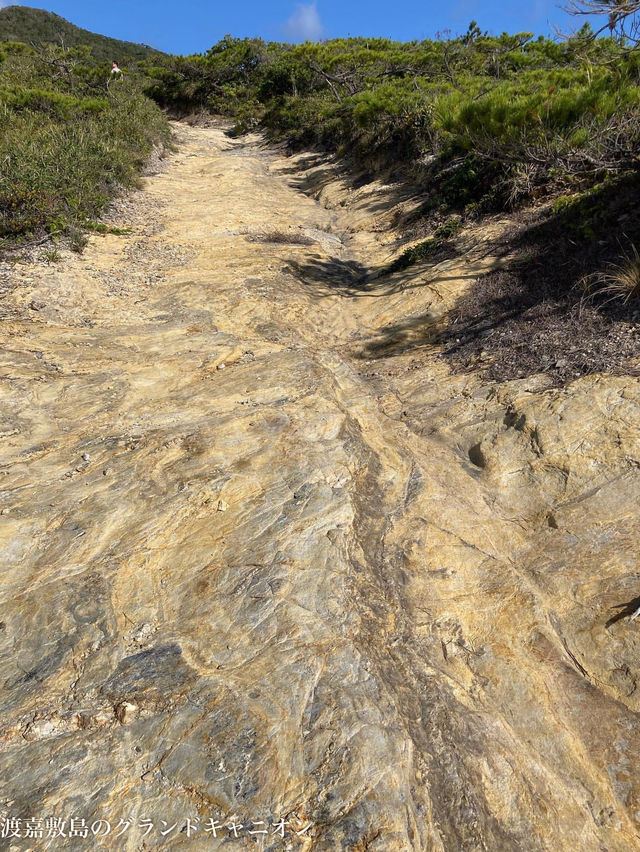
321,458
35,26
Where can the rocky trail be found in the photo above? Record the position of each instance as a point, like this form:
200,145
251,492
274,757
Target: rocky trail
266,558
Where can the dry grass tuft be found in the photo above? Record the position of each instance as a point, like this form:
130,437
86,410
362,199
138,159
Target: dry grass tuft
618,282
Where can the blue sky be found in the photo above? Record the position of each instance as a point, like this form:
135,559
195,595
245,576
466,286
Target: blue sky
189,26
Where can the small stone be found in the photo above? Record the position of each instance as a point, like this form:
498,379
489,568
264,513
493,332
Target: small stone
77,720
222,506
126,712
144,631
106,471
100,719
86,457
221,366
40,729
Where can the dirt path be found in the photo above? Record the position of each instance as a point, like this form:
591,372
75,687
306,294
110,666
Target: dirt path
266,558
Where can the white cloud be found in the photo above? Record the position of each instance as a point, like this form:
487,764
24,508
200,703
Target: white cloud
305,24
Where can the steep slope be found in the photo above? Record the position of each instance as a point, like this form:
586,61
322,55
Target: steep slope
35,26
266,558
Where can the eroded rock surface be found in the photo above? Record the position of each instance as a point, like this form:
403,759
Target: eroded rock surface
265,557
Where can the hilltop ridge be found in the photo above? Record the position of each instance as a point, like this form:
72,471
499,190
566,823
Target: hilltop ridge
37,26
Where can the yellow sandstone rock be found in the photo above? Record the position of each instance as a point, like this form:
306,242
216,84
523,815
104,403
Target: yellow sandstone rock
412,631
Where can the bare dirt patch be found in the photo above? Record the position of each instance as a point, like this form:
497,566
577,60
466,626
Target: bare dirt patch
532,316
289,239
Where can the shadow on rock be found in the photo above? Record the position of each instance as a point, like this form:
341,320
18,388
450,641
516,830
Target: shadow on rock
332,275
352,278
626,610
406,336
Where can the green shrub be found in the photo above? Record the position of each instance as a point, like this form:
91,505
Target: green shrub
441,239
487,121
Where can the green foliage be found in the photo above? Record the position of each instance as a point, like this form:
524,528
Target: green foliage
535,107
581,215
70,138
101,228
441,238
55,104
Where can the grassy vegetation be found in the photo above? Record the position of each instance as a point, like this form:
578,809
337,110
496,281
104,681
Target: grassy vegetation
487,122
70,138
